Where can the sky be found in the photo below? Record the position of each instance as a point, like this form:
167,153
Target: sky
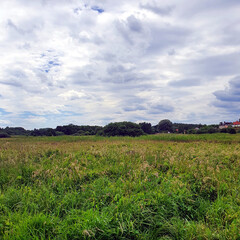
89,62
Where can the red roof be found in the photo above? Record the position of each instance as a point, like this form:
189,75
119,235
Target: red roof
236,123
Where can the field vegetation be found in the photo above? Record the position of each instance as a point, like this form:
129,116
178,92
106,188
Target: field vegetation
164,186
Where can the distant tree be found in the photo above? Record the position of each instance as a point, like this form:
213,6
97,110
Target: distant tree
43,132
16,131
78,130
186,127
146,127
165,126
122,129
35,132
154,129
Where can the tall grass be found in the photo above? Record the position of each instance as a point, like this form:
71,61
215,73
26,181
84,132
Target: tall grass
151,187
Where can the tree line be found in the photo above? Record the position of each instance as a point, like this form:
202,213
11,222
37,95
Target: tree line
116,129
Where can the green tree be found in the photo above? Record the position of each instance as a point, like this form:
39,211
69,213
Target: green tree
165,125
122,129
146,127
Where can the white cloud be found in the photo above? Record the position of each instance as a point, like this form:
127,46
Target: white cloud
107,60
73,95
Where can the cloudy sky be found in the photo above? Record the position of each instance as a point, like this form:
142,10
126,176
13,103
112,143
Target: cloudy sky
94,62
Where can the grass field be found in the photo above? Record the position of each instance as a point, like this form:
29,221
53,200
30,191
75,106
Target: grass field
151,187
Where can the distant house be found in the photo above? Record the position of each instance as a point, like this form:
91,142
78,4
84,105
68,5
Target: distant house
224,124
236,124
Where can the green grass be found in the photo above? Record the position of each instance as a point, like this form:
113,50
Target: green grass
151,187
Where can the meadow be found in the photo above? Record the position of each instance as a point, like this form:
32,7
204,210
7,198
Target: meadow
162,186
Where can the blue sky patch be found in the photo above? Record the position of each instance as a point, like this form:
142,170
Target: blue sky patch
98,9
69,113
27,114
3,112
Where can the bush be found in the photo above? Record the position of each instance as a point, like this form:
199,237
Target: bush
232,131
212,130
192,131
4,135
224,130
59,133
202,131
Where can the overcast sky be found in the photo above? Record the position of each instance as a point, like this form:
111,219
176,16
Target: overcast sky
94,62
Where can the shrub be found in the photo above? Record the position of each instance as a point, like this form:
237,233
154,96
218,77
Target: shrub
4,135
232,131
224,130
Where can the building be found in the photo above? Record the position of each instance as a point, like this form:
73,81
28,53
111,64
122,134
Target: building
236,124
224,124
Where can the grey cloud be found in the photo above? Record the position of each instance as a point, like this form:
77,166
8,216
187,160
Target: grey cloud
120,87
229,98
171,52
107,57
80,79
235,82
166,37
131,103
118,69
11,82
137,107
205,6
85,76
134,24
12,25
185,82
138,118
226,96
32,81
130,29
14,77
25,28
25,46
119,74
160,108
107,120
155,7
218,65
229,107
231,94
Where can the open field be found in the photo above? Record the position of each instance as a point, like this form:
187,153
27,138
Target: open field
150,187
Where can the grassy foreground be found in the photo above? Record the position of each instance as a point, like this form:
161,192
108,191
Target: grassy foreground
151,187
